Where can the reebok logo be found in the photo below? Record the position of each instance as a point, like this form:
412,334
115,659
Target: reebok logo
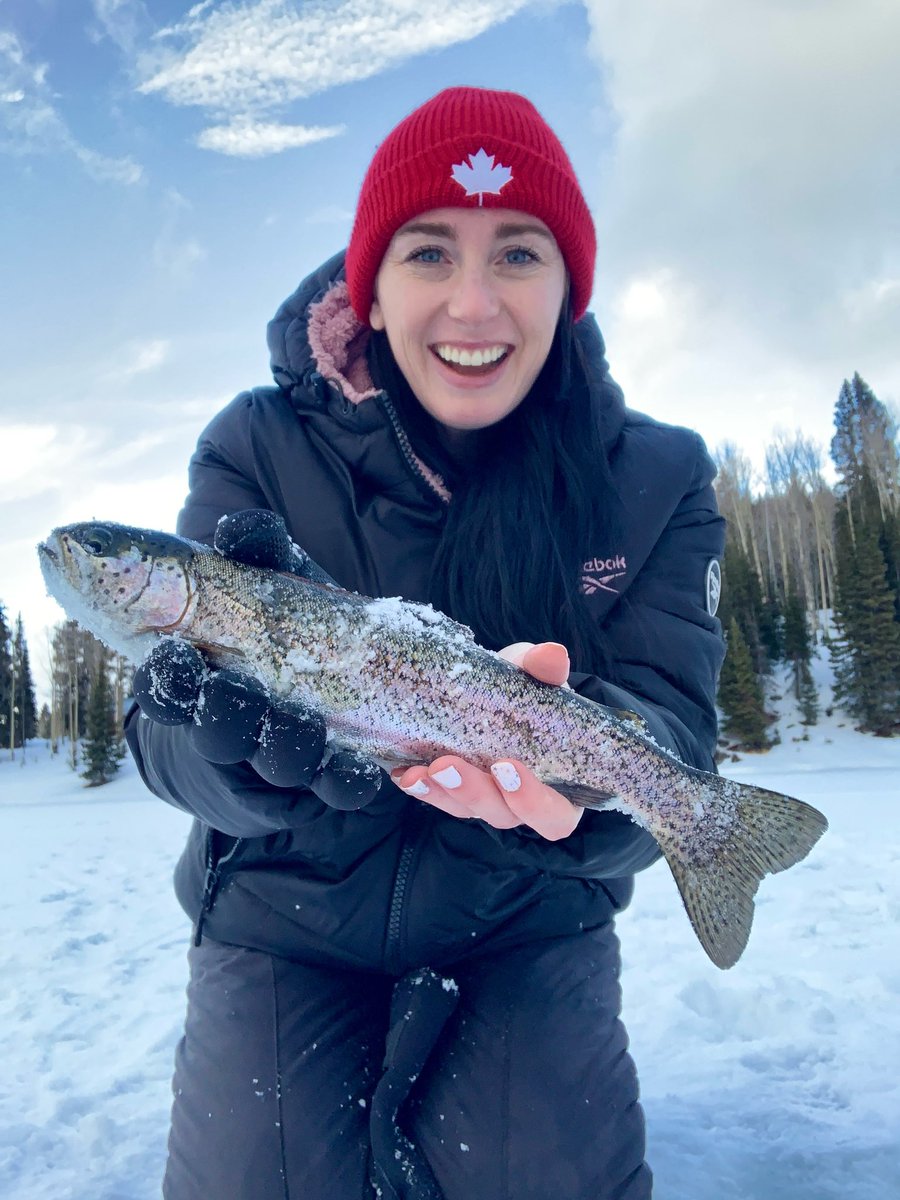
599,573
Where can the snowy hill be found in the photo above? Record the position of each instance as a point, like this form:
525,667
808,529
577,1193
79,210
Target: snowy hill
777,1080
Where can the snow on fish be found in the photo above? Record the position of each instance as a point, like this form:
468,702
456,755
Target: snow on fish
402,684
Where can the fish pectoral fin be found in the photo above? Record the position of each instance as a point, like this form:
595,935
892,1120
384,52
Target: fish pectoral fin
769,833
581,794
213,648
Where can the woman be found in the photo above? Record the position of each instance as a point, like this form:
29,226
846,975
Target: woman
411,984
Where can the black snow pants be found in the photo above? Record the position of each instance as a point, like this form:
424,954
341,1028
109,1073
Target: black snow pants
501,1079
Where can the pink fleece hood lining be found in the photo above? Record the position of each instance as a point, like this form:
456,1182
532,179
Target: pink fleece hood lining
338,339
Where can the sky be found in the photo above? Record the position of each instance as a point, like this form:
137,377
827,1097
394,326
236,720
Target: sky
168,174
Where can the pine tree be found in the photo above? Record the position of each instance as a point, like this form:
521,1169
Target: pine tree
741,695
101,747
26,704
6,682
798,652
742,599
866,652
865,444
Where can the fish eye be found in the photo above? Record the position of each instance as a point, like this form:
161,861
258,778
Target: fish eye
95,539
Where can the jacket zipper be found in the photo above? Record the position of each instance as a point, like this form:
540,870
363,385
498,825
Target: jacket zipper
409,846
212,879
405,447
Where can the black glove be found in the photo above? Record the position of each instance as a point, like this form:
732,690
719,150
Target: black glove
230,717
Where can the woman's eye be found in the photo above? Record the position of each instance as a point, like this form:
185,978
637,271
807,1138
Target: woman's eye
520,256
427,254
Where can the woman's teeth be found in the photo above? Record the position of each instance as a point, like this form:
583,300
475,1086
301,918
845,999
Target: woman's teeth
470,358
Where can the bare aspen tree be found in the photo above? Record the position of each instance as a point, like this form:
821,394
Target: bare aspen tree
778,488
735,494
821,499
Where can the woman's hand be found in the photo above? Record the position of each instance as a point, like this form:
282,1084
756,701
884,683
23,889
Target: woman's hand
509,794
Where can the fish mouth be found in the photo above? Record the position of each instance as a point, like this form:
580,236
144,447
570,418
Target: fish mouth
46,551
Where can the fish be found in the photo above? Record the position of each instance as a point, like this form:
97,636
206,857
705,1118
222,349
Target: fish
401,683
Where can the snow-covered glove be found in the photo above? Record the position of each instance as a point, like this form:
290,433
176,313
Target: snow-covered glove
229,716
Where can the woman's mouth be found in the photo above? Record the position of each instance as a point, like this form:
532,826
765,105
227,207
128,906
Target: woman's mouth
465,361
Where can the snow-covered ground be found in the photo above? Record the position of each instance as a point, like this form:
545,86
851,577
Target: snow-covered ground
777,1080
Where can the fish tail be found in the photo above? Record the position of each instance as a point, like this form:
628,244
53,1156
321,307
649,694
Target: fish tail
767,833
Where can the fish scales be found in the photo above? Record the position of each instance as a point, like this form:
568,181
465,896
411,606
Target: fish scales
403,684
387,679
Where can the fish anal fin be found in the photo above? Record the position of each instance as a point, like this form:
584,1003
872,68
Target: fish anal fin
582,795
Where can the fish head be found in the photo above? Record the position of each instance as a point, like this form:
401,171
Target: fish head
122,583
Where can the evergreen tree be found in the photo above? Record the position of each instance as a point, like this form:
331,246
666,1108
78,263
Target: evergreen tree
889,541
741,694
798,652
44,723
771,623
865,444
866,653
101,746
807,695
6,680
742,599
26,705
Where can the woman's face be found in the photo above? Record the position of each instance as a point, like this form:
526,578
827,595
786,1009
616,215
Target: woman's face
470,299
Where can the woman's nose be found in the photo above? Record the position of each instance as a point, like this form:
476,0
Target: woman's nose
474,298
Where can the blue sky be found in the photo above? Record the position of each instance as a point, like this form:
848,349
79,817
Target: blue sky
168,174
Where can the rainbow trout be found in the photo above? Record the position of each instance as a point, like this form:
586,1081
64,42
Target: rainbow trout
401,684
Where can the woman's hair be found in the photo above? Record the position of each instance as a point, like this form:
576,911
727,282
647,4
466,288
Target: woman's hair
526,507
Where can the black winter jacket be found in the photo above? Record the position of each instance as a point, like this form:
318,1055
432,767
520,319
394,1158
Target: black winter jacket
399,884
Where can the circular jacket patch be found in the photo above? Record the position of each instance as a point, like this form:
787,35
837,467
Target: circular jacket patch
713,585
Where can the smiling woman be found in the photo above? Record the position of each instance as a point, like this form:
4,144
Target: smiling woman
407,985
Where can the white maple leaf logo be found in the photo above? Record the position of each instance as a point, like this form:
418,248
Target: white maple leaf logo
480,175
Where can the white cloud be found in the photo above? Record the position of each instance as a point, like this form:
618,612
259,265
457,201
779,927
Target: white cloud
141,357
873,300
755,165
33,453
330,214
176,254
252,56
256,139
124,22
30,122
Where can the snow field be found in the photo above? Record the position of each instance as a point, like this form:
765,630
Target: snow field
777,1080
92,946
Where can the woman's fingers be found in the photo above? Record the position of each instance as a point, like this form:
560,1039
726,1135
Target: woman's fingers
543,809
456,787
506,796
547,661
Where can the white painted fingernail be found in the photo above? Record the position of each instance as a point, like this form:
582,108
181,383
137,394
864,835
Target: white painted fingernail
449,777
419,788
507,776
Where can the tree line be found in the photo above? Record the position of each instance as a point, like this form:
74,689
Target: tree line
85,712
808,563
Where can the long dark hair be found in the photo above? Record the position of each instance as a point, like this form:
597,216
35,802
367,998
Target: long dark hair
528,506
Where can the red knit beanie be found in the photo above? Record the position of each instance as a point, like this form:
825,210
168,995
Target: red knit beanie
465,148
